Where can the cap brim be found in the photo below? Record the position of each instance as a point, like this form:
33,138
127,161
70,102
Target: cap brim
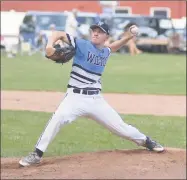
96,26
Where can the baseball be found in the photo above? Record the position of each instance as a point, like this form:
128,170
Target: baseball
134,30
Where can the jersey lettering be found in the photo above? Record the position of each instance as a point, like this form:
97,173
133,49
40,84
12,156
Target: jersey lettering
97,60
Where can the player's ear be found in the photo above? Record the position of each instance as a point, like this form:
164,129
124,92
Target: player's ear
107,37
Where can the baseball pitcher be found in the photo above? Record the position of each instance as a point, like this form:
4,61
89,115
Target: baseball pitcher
83,96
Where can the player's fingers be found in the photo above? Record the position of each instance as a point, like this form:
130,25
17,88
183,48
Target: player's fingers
49,51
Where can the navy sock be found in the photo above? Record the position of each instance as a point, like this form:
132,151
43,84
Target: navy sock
39,152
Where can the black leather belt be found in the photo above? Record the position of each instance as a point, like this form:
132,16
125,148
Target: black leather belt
85,91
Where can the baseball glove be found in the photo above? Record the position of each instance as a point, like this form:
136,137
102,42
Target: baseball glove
62,54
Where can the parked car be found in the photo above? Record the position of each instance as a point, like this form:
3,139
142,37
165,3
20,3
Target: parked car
159,24
149,27
36,22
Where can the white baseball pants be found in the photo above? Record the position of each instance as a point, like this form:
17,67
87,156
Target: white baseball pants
93,106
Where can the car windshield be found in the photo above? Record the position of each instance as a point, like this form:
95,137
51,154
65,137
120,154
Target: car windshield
165,24
121,22
44,21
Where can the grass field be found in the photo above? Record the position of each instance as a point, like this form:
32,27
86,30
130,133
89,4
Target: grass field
144,74
21,129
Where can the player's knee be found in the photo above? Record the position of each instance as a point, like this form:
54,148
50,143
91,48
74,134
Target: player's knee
66,118
62,117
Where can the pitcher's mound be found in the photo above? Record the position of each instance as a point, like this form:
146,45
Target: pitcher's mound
119,164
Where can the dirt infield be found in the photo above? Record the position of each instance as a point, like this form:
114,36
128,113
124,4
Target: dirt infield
119,164
123,103
129,164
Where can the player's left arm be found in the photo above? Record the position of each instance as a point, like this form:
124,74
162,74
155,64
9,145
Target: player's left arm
116,45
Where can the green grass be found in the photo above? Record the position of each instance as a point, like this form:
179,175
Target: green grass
21,129
145,74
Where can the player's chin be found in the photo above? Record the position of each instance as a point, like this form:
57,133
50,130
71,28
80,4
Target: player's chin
95,41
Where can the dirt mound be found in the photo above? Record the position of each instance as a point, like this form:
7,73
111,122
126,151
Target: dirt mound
119,164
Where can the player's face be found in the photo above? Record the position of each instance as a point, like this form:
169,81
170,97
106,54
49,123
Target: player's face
98,37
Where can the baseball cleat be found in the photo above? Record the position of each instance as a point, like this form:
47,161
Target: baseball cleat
31,159
153,145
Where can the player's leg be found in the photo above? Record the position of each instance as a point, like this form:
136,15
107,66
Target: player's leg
103,113
67,111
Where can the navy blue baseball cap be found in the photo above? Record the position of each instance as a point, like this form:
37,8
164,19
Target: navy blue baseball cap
103,26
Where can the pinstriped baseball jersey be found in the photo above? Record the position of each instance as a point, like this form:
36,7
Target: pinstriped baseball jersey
88,64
